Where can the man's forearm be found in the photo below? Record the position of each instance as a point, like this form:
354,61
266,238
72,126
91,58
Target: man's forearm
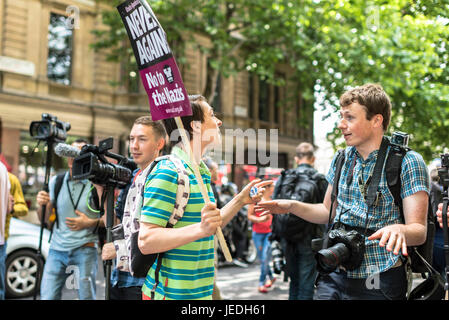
415,234
312,212
154,239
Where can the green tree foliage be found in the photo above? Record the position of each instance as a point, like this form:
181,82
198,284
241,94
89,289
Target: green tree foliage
331,45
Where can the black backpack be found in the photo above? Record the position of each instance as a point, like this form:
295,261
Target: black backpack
393,175
299,184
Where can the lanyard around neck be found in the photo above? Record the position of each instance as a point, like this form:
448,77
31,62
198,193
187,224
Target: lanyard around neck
75,206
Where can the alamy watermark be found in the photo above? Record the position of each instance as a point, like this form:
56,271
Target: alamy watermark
261,148
73,19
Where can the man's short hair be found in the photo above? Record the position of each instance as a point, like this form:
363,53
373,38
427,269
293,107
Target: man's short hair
197,115
373,98
305,149
158,127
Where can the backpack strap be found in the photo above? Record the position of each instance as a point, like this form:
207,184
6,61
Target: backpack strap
182,198
393,174
339,161
377,173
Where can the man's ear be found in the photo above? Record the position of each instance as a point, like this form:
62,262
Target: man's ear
196,126
160,144
378,120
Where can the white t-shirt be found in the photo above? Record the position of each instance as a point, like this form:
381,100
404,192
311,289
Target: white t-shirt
4,200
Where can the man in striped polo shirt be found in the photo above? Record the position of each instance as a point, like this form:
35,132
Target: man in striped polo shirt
365,116
187,271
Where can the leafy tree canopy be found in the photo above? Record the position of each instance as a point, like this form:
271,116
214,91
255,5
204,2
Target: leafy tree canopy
331,45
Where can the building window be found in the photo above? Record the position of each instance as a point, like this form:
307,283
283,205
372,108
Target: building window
60,47
264,101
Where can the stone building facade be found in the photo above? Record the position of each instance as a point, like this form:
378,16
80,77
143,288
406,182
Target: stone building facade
31,84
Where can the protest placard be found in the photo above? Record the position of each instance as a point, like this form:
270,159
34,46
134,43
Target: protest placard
161,78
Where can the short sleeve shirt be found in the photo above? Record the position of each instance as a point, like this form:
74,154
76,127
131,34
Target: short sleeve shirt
72,194
187,272
352,209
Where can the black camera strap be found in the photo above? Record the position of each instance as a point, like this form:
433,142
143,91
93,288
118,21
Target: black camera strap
377,173
75,205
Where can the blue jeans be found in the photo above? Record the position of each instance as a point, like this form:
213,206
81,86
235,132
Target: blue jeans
302,272
2,270
264,253
392,285
77,269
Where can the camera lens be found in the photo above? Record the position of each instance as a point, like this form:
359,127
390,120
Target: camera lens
40,129
328,259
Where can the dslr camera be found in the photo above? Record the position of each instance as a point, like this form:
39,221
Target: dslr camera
92,164
344,248
49,129
277,257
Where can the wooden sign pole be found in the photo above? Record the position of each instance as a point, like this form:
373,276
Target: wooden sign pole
185,140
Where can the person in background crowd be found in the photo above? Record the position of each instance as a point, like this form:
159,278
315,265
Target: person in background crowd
6,206
305,184
74,240
261,234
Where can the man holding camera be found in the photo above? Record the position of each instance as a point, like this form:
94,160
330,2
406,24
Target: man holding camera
373,234
146,140
74,242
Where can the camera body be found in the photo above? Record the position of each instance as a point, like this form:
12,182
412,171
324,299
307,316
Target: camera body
92,164
400,139
443,171
277,257
49,129
344,248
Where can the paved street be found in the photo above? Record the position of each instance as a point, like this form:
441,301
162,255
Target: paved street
235,283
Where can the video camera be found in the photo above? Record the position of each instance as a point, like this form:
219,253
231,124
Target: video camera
92,164
49,129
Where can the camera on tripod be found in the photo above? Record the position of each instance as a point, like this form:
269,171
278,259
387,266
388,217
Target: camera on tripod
344,248
92,164
49,129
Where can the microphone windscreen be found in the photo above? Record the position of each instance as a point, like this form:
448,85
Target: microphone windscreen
65,150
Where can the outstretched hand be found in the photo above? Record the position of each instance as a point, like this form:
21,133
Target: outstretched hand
273,206
393,237
246,198
439,214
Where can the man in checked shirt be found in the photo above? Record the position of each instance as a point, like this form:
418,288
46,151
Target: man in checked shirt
365,115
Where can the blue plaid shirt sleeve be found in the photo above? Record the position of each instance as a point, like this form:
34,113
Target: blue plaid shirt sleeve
331,173
414,175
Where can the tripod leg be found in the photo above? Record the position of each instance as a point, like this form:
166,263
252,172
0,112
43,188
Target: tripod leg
446,241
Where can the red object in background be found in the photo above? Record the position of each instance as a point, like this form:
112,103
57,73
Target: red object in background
3,160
